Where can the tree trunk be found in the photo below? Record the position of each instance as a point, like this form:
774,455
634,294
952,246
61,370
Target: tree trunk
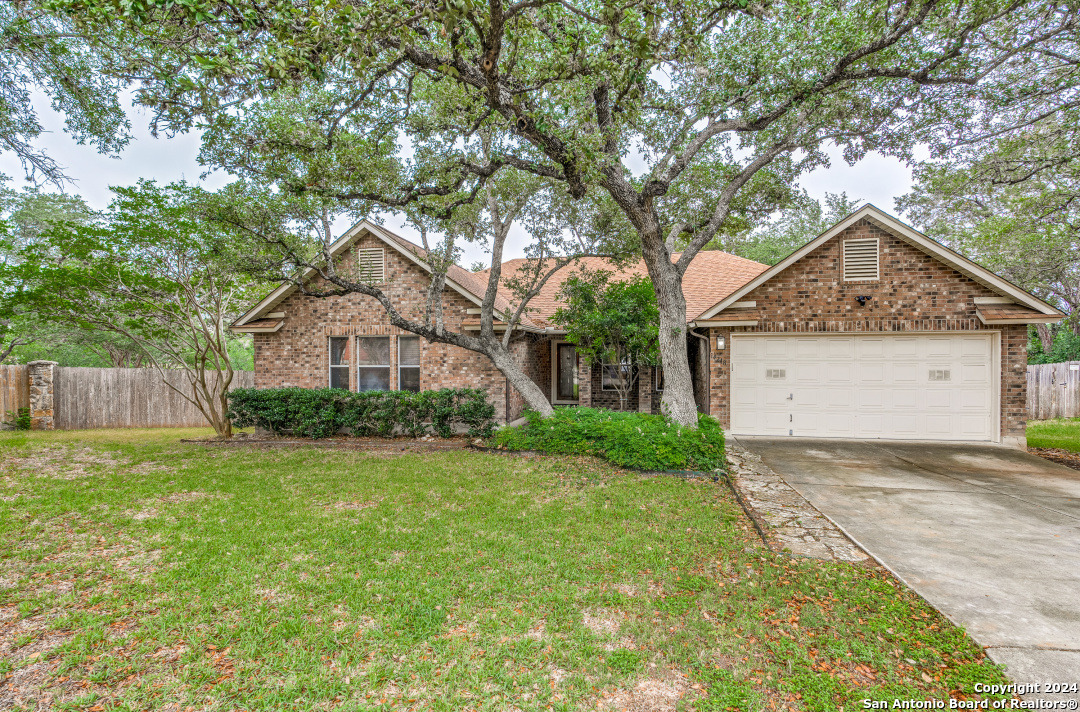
1046,337
534,397
678,400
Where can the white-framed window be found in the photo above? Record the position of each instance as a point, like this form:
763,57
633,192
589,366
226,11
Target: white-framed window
861,263
564,373
408,363
339,362
373,363
658,378
615,376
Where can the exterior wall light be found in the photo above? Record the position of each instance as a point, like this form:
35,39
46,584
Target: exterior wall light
719,343
862,299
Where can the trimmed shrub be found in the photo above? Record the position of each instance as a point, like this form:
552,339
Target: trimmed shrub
322,412
639,440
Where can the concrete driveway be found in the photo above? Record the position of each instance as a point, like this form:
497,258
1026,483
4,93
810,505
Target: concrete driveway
988,535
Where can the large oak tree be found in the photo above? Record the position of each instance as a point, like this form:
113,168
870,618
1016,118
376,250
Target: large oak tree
694,117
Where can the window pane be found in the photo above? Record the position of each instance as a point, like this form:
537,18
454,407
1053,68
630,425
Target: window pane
410,378
339,377
373,350
339,351
566,378
373,378
614,376
408,350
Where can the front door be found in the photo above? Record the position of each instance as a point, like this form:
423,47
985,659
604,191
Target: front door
565,377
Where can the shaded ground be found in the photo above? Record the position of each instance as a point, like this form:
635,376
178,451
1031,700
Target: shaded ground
138,572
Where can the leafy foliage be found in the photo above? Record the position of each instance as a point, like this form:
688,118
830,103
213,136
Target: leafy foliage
639,440
18,419
611,322
155,272
1064,347
323,412
1013,204
790,229
40,52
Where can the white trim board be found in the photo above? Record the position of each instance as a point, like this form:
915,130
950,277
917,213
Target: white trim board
914,237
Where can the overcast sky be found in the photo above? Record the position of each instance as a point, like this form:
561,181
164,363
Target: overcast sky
876,179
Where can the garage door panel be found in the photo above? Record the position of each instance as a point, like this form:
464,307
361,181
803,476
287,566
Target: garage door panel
777,347
938,387
869,347
840,348
839,398
870,399
905,373
975,373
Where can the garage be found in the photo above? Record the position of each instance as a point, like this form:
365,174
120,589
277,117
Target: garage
912,386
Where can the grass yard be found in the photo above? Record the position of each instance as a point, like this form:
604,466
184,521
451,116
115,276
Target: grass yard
138,572
1063,434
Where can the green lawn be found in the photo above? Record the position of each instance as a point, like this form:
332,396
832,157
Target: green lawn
1062,433
138,572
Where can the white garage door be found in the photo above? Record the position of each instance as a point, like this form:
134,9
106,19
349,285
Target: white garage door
925,386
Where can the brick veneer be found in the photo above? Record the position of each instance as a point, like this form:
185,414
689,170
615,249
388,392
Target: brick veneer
298,354
916,293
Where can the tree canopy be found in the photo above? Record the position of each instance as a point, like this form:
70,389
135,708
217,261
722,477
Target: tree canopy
156,272
41,52
694,118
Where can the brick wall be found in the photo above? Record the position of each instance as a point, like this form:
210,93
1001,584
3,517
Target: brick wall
916,293
298,354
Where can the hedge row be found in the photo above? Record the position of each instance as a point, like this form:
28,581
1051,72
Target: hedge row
320,413
640,440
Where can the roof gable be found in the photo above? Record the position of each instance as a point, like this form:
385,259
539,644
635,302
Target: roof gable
457,279
908,234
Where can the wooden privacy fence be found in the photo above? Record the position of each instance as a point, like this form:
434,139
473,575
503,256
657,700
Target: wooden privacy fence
69,398
126,398
1053,390
14,389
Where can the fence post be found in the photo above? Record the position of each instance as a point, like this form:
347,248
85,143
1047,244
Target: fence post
41,375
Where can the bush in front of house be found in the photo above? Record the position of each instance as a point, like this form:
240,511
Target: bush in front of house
322,412
639,440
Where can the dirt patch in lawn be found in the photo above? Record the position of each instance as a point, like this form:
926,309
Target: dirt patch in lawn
63,462
660,693
152,508
1062,457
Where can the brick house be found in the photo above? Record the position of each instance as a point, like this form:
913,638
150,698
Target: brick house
870,330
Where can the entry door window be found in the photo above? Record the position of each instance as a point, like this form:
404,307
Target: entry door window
566,383
373,363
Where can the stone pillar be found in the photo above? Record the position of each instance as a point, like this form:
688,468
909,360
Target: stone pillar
41,394
584,383
644,389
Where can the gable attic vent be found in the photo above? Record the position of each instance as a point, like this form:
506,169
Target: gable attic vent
371,265
861,260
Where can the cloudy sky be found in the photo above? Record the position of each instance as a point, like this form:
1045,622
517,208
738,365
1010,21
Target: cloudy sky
876,179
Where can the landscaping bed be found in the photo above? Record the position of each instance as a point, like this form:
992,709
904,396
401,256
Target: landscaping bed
137,572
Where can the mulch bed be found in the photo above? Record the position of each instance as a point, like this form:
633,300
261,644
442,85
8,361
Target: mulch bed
1062,457
338,443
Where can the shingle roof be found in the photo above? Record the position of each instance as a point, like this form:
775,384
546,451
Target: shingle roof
711,276
1011,312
